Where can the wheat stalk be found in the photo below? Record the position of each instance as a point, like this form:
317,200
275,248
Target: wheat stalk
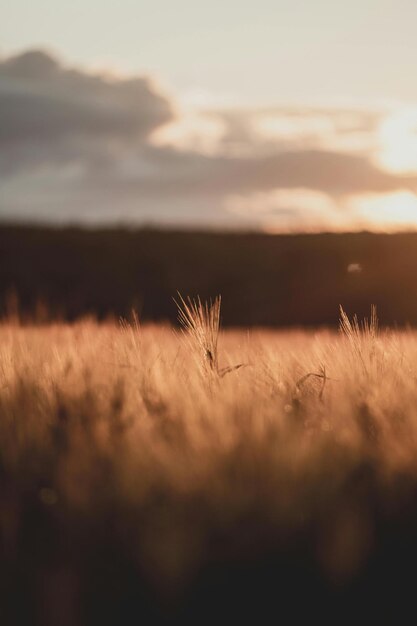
201,325
201,322
362,336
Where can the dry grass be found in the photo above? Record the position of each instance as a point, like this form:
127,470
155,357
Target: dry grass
201,326
115,448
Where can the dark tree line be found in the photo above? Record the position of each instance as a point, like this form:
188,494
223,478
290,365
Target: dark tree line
282,280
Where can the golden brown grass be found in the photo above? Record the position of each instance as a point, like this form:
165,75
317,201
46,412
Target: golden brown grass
117,427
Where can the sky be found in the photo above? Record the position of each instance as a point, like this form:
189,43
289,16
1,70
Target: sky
275,115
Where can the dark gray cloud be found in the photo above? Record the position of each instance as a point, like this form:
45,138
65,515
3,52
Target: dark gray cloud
331,172
53,112
75,144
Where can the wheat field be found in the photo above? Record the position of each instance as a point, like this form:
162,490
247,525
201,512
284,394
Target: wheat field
159,475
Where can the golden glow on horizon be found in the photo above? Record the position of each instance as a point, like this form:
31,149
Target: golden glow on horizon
279,200
398,141
283,210
388,211
286,210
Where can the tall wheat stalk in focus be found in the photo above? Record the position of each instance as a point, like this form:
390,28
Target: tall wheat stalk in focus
201,326
362,337
354,330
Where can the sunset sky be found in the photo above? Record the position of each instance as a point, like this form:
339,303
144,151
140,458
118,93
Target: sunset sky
277,115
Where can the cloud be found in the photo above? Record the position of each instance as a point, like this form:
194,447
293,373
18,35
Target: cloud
330,172
262,132
49,111
288,209
79,146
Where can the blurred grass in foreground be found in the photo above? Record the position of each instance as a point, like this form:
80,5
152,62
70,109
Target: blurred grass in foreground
138,487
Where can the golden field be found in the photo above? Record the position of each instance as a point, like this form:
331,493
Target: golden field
140,483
